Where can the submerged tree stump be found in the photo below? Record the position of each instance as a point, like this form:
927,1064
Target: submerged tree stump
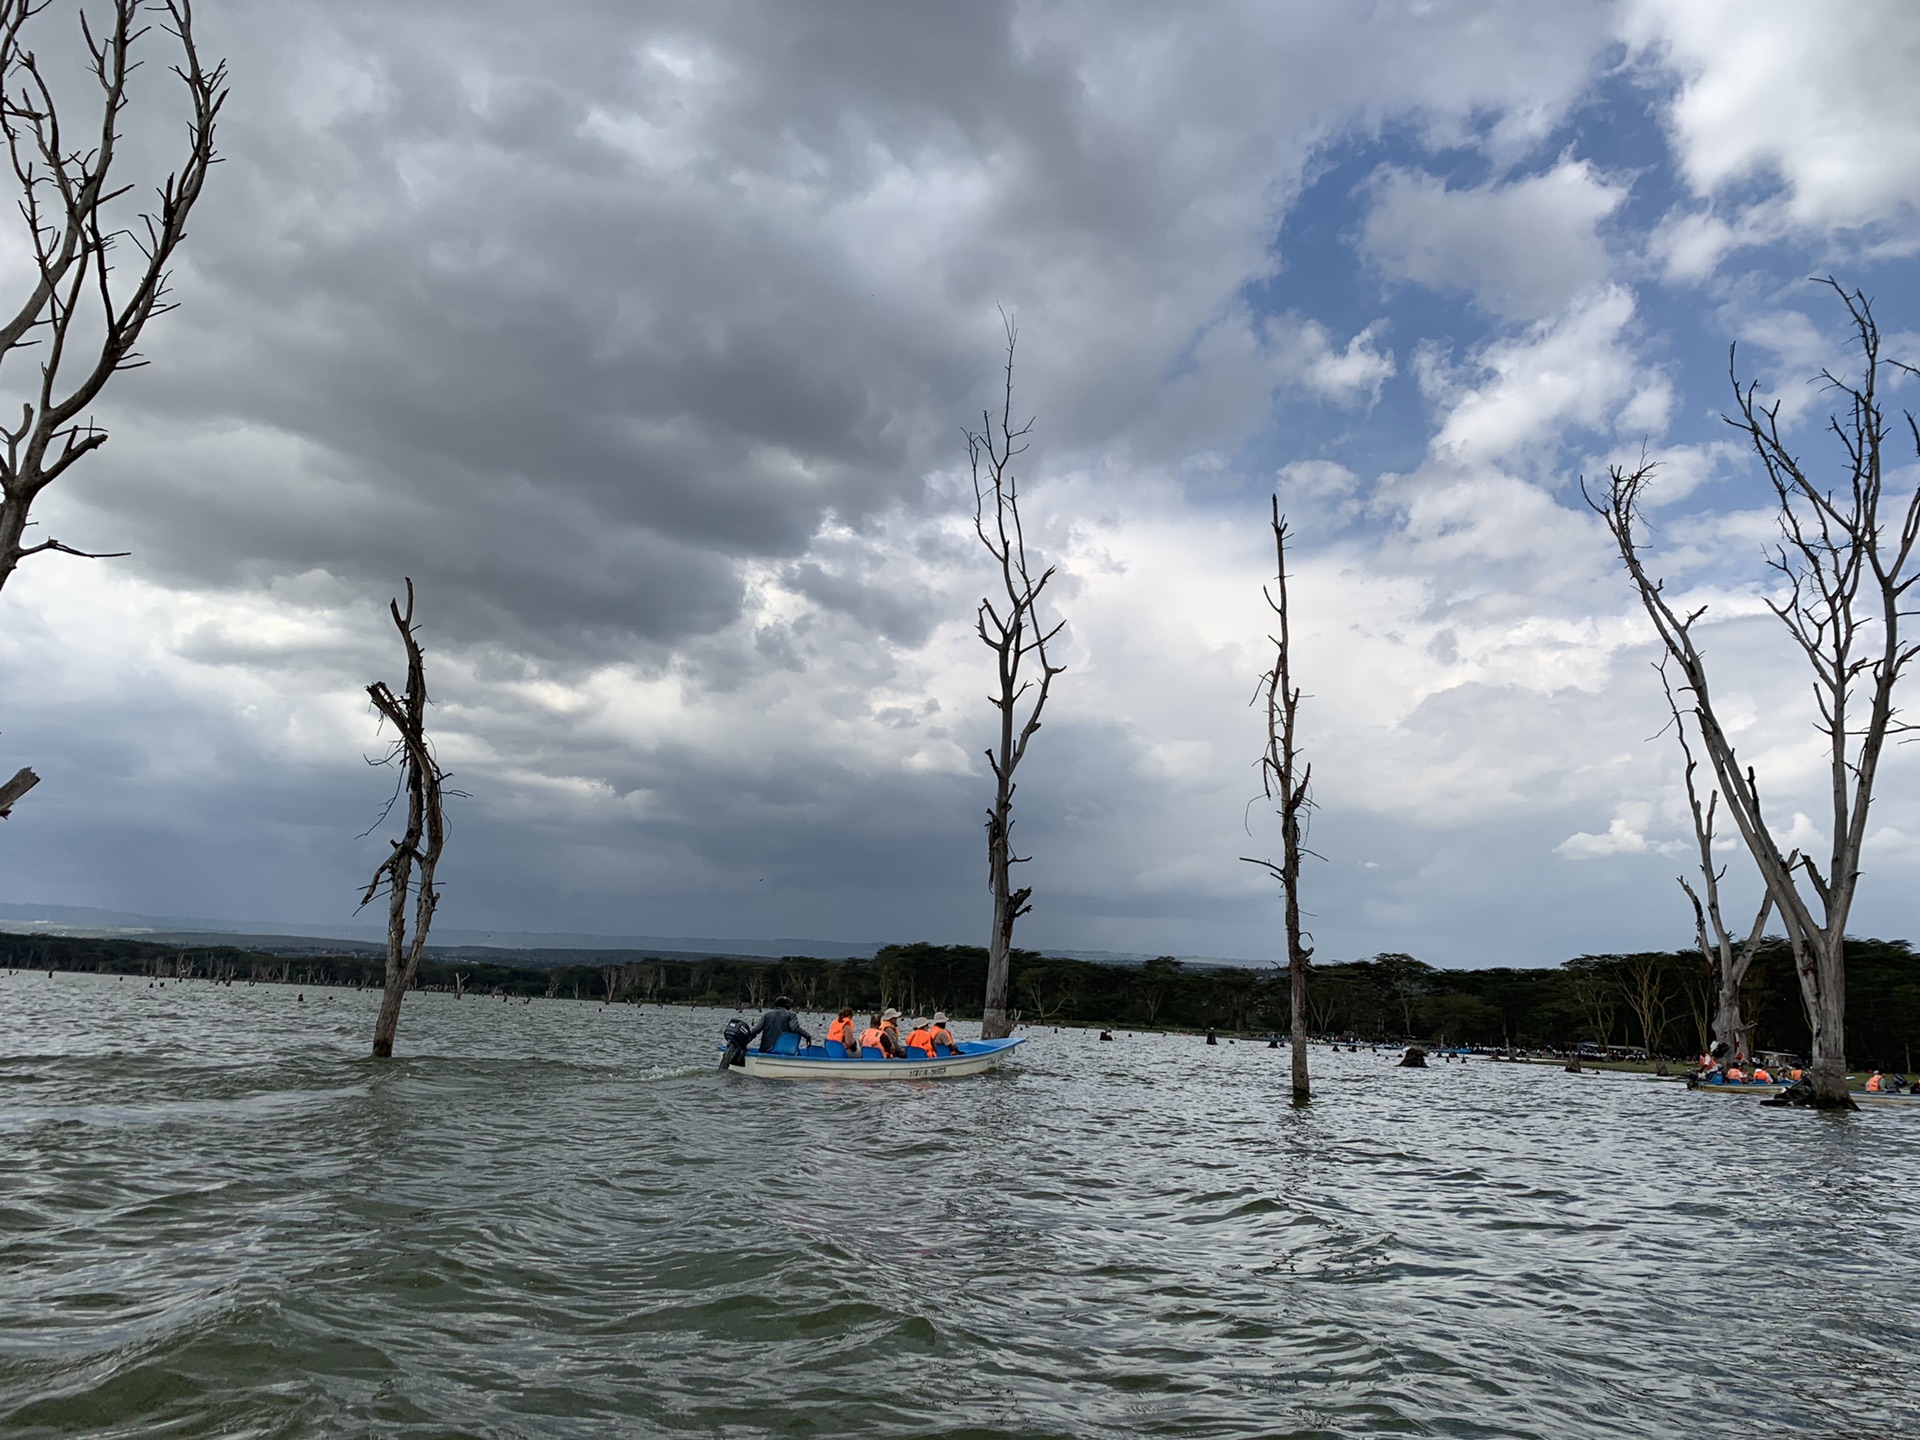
1414,1059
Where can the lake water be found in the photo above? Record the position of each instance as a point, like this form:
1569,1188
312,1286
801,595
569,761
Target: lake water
553,1219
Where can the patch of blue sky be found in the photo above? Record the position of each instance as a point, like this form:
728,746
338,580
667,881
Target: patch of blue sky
1323,272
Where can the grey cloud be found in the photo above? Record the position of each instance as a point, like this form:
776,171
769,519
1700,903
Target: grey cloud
1522,248
540,363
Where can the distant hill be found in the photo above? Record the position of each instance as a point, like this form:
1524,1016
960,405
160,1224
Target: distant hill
500,947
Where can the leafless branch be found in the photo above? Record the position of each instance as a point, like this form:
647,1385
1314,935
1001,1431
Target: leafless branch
96,281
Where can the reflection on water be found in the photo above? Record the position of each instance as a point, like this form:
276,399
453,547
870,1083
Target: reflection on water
217,1218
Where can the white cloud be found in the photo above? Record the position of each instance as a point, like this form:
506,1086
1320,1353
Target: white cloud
1576,369
1620,838
1820,99
1522,249
1305,353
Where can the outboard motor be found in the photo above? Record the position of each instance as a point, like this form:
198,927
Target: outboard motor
734,1037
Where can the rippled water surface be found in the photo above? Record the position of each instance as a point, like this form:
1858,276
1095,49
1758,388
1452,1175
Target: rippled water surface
218,1218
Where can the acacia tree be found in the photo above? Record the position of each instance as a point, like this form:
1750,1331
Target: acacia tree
1727,965
1845,569
87,302
1284,781
1010,625
1595,982
421,780
1643,981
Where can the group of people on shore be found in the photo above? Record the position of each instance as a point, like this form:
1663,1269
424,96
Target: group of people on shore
880,1040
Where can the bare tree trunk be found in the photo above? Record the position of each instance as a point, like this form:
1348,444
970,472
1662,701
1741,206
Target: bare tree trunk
1846,575
1019,640
1285,781
420,779
1725,964
78,324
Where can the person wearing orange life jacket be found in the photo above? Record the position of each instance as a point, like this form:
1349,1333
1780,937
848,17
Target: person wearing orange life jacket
1760,1075
841,1031
1874,1083
1736,1076
920,1040
943,1037
874,1041
890,1022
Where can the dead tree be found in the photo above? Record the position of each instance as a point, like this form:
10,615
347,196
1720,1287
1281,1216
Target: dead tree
23,780
1726,964
1284,780
421,781
1010,626
83,309
1846,571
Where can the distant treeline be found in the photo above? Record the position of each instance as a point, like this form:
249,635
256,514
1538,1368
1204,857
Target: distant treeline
1655,999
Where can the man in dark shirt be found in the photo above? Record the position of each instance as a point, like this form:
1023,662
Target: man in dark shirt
778,1021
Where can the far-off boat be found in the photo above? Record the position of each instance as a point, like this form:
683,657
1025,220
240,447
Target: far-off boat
1743,1089
789,1060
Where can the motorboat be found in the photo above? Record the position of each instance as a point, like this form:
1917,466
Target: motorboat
789,1060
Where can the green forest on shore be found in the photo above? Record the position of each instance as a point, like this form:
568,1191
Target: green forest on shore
1655,999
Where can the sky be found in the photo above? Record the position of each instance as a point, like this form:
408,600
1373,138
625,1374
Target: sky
645,342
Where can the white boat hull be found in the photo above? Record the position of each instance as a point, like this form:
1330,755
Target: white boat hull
974,1059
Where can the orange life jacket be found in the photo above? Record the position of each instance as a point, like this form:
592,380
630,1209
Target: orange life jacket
1736,1075
921,1039
1873,1085
1794,1074
944,1036
870,1039
842,1030
1761,1076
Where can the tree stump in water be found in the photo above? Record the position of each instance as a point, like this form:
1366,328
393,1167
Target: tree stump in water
1212,1039
1414,1059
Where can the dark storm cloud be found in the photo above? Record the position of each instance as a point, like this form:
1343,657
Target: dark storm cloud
564,383
567,318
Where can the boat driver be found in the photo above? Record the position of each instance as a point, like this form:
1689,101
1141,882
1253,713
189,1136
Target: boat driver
778,1021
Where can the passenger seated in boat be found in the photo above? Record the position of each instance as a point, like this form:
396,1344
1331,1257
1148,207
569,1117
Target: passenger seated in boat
1875,1084
874,1041
777,1023
1736,1076
943,1040
841,1033
890,1022
920,1040
1760,1076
